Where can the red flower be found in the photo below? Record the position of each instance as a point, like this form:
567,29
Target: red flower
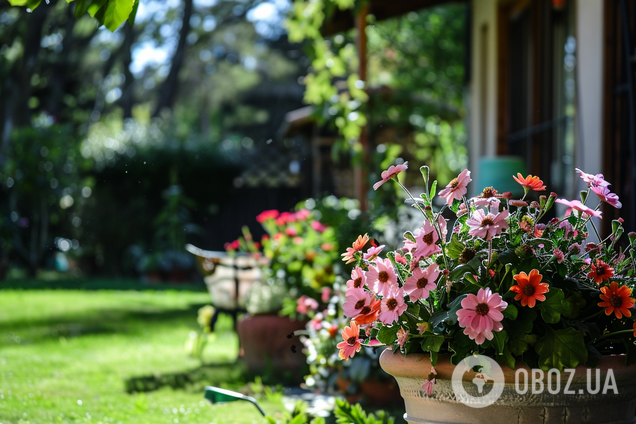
266,215
616,300
529,182
601,272
529,288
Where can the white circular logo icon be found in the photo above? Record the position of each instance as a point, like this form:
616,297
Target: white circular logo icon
483,393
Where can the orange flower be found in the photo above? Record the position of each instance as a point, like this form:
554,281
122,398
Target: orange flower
369,313
635,329
529,182
601,272
530,288
616,299
351,343
357,246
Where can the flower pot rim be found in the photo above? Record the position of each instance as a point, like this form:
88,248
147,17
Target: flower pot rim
418,365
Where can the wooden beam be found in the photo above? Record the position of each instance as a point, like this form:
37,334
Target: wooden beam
361,174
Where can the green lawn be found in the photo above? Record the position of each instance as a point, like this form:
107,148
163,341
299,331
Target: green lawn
66,356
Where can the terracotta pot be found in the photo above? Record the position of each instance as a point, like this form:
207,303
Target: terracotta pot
511,407
267,347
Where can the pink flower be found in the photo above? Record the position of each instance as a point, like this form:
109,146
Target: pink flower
389,173
372,252
291,231
392,305
381,277
607,196
481,315
358,278
284,218
351,342
266,215
304,304
593,180
358,302
400,259
569,230
421,282
559,256
578,206
326,294
318,226
428,387
456,188
426,241
302,214
487,226
402,336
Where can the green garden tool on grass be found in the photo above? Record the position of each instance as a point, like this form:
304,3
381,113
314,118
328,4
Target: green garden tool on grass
218,395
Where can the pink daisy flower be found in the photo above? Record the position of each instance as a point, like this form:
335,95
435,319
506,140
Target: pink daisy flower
456,188
593,180
421,282
578,206
382,277
607,196
351,341
486,226
481,315
428,387
426,241
305,304
358,278
372,252
392,305
389,173
358,302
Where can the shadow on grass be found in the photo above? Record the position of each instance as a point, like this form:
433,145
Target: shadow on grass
231,375
98,284
96,322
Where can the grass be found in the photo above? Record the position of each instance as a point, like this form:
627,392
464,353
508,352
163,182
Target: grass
67,356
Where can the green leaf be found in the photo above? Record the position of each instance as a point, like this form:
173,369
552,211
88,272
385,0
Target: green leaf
117,11
508,257
133,14
95,6
511,312
387,335
561,349
455,248
499,341
576,302
81,7
553,306
31,4
425,175
507,358
517,346
409,235
432,343
433,190
449,316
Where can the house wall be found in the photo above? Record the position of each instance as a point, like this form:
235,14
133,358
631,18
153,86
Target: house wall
483,85
589,52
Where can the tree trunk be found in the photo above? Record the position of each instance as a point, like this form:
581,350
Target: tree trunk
168,91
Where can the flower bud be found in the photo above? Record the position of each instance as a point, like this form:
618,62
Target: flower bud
506,195
632,237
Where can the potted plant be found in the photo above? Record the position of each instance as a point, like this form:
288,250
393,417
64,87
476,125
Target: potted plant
300,253
505,285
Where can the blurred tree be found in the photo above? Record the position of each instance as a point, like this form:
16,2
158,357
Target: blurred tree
184,70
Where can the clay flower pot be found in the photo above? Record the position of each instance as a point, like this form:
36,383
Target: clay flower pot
576,405
267,347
